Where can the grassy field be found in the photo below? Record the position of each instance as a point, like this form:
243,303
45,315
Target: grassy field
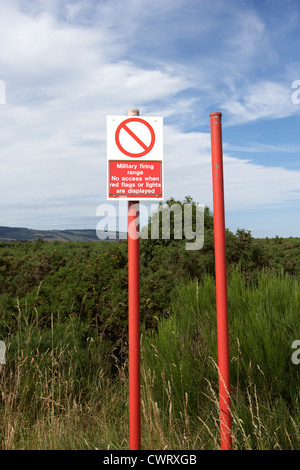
64,319
64,386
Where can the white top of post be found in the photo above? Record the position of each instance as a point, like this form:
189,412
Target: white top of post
133,112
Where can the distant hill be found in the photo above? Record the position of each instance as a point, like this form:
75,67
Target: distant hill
9,234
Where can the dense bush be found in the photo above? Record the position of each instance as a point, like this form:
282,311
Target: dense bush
88,280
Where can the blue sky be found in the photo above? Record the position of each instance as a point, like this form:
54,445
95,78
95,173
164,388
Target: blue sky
66,65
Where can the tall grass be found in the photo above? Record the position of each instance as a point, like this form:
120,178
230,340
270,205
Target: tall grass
63,388
265,384
58,391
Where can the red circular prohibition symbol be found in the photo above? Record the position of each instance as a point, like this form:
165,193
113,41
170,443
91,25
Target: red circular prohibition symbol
147,148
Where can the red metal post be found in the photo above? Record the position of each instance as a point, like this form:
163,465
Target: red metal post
134,326
134,321
221,280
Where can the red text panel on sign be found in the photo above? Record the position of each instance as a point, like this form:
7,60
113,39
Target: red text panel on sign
141,179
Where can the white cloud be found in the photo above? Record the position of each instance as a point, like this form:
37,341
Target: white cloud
247,184
60,87
264,99
249,39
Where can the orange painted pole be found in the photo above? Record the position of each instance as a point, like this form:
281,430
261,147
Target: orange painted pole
134,324
221,281
134,327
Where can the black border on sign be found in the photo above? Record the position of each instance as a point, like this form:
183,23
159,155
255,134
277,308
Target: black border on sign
134,196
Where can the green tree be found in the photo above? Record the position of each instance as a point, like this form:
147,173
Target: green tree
167,225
